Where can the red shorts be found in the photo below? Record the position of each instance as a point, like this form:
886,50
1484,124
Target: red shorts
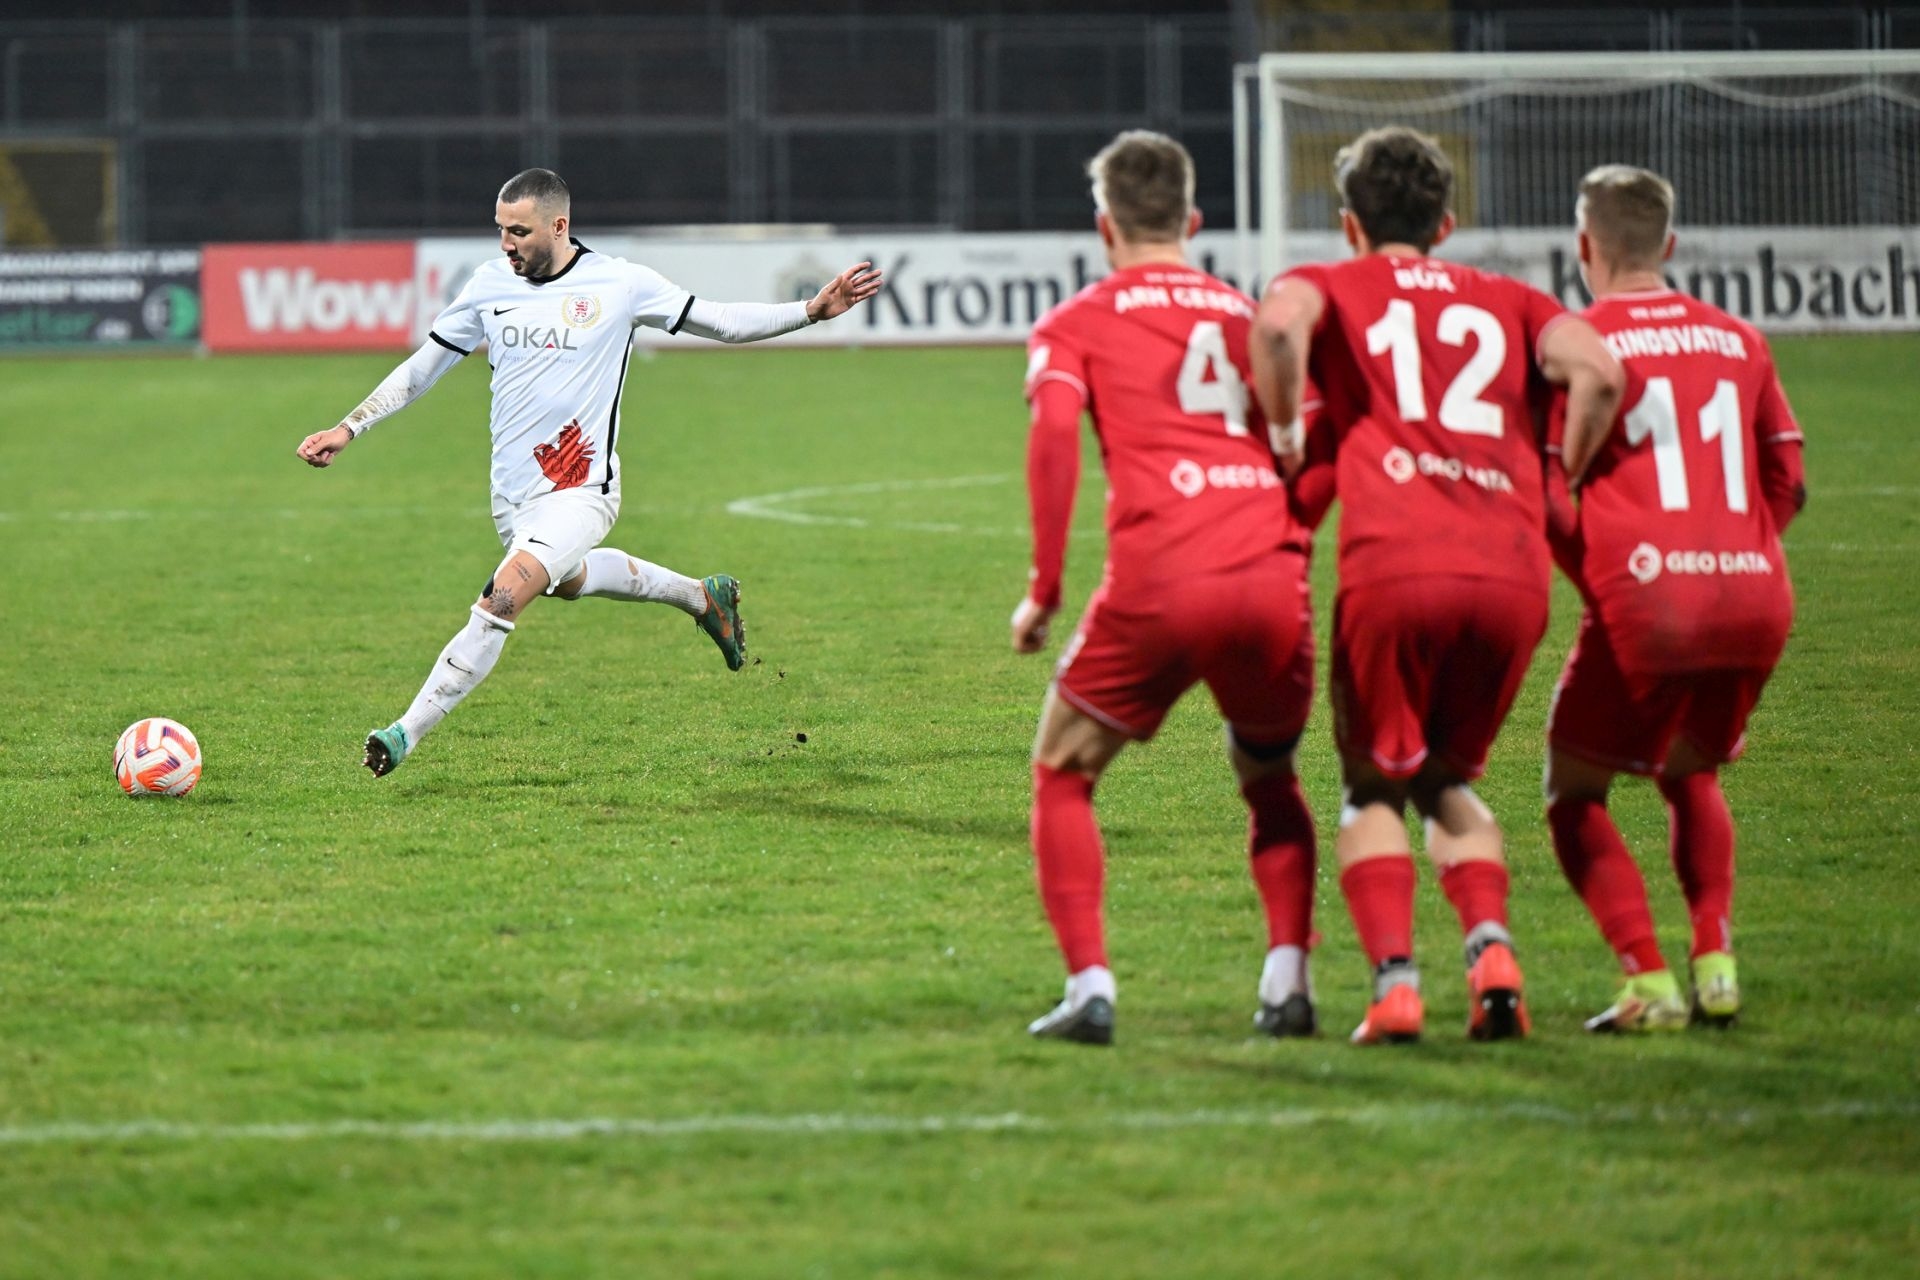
1248,633
1602,714
1429,666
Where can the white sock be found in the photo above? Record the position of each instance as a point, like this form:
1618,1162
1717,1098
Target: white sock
461,666
1094,980
1484,935
619,576
1284,974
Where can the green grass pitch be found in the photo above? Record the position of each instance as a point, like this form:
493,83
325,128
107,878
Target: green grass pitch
619,977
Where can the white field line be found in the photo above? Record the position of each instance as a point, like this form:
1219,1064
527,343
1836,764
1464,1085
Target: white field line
775,506
1415,1116
1869,491
109,515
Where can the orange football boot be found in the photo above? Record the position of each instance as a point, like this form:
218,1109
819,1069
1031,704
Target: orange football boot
1498,1010
1394,1018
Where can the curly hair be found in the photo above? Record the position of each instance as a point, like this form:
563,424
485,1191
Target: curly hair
1398,183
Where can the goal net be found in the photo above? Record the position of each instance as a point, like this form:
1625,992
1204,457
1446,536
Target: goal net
1797,175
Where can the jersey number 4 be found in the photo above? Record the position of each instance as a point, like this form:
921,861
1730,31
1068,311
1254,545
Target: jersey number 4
1210,383
1461,408
1658,417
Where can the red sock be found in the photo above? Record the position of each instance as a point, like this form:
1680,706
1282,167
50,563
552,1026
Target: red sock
1281,853
1069,862
1703,856
1477,889
1602,872
1379,893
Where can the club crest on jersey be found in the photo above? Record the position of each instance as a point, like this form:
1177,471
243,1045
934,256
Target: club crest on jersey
580,310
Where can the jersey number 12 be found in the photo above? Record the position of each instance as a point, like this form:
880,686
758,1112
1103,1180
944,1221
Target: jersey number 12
1461,408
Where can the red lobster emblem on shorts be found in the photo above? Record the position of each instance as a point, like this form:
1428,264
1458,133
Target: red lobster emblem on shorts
567,463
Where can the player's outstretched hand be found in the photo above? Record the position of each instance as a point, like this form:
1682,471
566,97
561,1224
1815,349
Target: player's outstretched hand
1030,623
320,448
851,287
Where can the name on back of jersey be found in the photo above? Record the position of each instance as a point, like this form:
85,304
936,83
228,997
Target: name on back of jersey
1675,340
1192,297
1424,277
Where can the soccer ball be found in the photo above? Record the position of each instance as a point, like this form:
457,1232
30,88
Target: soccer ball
157,757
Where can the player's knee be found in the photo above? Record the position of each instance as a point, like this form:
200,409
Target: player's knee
1685,760
1254,759
1430,787
1360,793
1569,778
1697,784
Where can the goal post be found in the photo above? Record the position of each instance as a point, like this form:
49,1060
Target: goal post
1797,174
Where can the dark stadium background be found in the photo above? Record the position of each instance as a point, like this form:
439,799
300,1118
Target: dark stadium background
254,120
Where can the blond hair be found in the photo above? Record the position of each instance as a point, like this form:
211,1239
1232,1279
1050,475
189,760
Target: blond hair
1628,213
1144,182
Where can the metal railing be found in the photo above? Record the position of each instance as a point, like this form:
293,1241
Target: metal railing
262,129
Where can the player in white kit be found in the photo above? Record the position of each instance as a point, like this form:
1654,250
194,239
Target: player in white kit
558,321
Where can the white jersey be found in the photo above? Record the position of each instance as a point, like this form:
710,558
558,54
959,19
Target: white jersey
558,348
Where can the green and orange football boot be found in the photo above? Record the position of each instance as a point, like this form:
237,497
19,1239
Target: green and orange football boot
722,622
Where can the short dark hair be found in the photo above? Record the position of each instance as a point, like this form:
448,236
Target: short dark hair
1144,182
1628,212
543,186
1398,183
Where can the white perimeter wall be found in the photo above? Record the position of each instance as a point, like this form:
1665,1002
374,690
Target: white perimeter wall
954,288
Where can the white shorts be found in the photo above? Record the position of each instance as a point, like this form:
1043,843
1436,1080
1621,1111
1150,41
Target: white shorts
557,528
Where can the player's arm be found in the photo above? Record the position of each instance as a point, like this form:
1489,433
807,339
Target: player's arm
1572,356
1278,348
752,321
1053,478
1564,538
1779,449
1311,488
407,383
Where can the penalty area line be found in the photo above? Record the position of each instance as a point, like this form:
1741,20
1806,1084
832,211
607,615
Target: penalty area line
776,506
858,1125
781,507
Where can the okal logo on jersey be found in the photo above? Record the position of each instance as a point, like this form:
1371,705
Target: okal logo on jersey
1646,562
581,310
527,335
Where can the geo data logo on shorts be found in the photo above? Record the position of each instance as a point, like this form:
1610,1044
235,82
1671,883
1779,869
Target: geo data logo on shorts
1644,562
1399,465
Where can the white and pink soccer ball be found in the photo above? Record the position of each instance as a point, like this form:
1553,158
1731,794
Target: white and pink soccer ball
157,757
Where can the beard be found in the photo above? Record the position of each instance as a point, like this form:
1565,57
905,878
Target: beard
533,264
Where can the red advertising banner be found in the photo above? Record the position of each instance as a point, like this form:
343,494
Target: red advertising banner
357,296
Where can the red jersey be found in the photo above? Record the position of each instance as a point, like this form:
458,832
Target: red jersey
1679,541
1158,355
1429,373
